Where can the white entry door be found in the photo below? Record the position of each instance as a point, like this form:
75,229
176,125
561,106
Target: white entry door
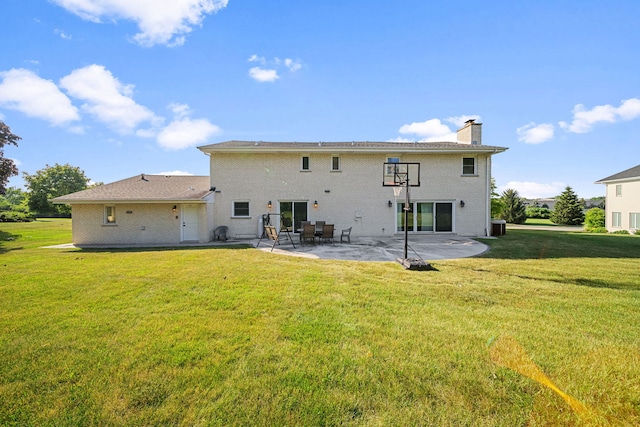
189,223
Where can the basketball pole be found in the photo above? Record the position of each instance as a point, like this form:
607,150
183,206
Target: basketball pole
406,217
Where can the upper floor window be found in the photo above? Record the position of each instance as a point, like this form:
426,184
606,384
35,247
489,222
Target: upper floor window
468,166
240,209
618,190
305,163
109,214
335,163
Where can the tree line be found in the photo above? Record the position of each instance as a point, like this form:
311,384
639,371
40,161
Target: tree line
568,209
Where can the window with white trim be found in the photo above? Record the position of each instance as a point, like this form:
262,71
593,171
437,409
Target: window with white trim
110,215
616,220
618,190
335,163
468,166
240,209
306,164
634,220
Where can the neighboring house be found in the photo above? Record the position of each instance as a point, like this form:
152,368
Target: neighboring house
341,183
144,209
622,204
540,203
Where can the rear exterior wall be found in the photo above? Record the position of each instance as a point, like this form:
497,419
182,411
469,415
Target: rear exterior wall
350,197
136,224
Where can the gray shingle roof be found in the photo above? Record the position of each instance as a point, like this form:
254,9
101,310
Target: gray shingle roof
144,188
353,146
631,173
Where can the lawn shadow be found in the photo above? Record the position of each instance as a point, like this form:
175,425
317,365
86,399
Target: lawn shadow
7,237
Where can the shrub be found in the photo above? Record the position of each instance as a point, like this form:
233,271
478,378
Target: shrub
596,230
535,212
620,232
594,218
13,216
637,232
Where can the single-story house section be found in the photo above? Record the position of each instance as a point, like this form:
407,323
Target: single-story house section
622,200
341,183
144,209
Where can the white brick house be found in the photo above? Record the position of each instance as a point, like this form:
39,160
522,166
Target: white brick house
622,205
144,209
341,183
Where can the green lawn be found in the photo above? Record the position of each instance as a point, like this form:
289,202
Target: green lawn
235,336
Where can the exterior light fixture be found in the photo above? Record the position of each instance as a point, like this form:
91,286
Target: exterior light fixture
390,204
315,204
174,208
269,205
462,203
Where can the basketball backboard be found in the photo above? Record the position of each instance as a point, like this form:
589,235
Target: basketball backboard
397,174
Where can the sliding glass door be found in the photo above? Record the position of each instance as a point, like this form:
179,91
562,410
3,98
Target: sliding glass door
296,211
426,217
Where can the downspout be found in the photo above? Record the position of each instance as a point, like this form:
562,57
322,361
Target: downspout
487,222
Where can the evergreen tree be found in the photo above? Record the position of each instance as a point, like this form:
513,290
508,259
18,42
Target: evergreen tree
568,209
513,209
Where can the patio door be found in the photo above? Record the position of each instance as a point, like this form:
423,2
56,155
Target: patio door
296,211
426,217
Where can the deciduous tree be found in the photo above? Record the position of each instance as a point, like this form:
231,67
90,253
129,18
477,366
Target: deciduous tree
8,167
50,182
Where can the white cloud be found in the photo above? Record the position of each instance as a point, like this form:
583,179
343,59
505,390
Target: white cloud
159,21
292,65
584,120
535,134
432,130
629,109
258,59
175,173
108,100
24,91
459,121
263,74
534,190
268,70
62,34
186,132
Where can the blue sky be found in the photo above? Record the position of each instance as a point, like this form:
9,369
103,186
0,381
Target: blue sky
121,87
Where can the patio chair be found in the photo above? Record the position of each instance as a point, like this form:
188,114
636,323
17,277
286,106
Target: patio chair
308,233
346,234
327,233
220,233
319,227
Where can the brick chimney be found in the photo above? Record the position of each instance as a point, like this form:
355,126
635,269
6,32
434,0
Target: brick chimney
470,133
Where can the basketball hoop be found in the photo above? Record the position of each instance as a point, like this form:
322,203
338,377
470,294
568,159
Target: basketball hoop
396,191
